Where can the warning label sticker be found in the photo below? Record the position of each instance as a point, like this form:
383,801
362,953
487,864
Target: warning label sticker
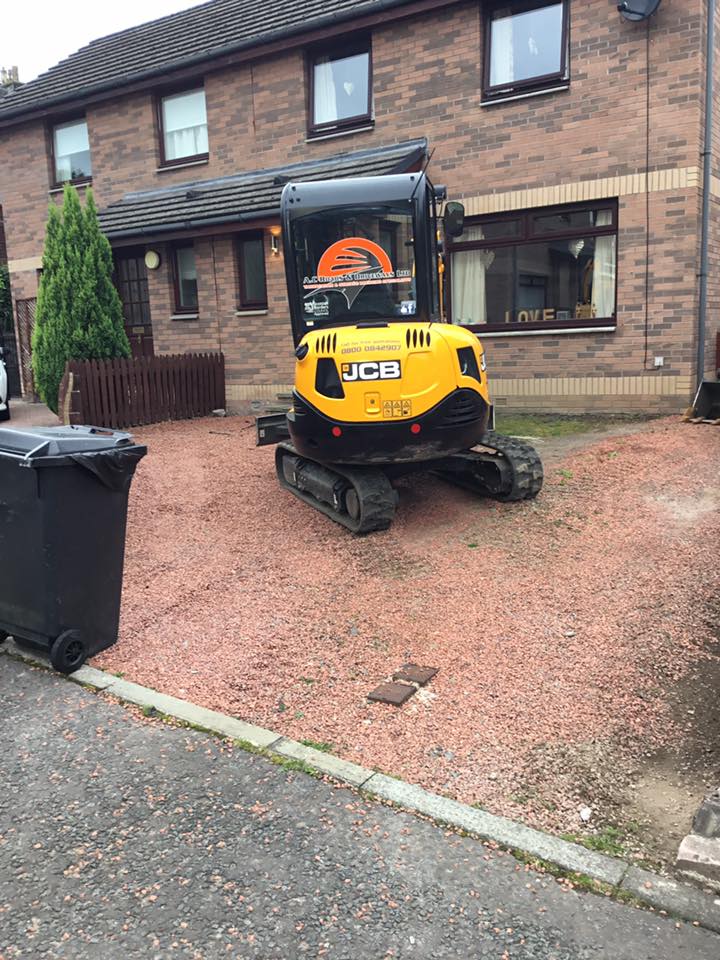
395,409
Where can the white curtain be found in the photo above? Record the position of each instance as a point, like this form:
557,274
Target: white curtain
469,268
502,61
603,284
185,125
324,87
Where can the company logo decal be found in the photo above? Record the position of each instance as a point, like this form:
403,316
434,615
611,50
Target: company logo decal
371,370
351,264
353,255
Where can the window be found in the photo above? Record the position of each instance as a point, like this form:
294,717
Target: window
251,272
71,152
525,46
185,278
355,278
546,269
340,88
183,127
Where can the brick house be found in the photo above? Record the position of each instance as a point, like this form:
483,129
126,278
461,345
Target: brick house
573,136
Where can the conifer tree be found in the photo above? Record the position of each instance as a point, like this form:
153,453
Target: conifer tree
79,313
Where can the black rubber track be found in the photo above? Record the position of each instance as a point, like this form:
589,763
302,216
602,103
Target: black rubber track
522,470
376,497
527,468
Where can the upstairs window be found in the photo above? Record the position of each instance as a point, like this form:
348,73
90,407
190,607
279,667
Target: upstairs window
542,269
71,152
251,271
183,127
185,277
525,46
340,88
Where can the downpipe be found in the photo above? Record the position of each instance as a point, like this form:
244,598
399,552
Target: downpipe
707,185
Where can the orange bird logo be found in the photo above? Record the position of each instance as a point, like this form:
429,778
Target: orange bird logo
353,255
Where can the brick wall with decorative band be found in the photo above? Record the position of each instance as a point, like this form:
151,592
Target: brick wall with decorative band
587,140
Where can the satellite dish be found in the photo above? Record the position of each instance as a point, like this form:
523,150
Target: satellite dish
638,9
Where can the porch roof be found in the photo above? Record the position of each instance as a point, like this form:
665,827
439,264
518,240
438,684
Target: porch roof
243,197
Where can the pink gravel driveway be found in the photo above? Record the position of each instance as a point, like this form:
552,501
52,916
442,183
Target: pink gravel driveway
556,625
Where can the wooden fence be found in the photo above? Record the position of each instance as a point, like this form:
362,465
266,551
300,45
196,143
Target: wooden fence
128,393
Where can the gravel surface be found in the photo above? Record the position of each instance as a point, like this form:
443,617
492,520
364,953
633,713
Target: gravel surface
122,838
558,626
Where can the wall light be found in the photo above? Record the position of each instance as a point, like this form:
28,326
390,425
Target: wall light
274,240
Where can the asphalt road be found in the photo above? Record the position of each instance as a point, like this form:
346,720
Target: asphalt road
124,838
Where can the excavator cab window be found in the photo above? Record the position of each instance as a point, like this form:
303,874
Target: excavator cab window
355,264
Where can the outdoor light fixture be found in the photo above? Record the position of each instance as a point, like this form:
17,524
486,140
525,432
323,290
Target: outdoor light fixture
274,245
152,259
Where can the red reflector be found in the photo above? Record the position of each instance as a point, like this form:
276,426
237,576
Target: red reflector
415,428
336,432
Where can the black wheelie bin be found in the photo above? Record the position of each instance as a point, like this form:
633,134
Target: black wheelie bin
63,512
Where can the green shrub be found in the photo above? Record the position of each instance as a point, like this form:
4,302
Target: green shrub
79,313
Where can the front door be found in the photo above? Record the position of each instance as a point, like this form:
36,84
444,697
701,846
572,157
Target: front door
132,284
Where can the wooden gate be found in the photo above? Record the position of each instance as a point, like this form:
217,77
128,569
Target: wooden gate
128,393
24,324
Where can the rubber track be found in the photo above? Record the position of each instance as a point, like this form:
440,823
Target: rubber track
526,473
376,495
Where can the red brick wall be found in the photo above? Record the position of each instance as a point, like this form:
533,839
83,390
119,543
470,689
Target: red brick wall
427,82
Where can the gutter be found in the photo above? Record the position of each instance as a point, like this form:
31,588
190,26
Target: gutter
190,224
707,188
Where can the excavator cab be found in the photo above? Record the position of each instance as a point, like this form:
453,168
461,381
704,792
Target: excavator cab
383,385
360,250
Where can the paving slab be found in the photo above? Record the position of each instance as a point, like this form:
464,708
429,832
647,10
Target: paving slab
414,673
394,694
700,856
707,819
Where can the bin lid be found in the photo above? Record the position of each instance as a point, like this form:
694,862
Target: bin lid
36,443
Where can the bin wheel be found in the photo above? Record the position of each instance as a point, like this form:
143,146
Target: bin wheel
68,652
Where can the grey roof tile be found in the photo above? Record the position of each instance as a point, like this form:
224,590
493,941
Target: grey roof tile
200,33
244,196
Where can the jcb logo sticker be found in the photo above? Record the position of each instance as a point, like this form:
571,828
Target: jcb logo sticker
371,370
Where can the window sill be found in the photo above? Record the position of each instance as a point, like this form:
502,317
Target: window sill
184,316
494,101
78,184
332,135
182,166
251,313
610,327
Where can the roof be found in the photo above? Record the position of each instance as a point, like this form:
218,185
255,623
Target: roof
245,196
182,39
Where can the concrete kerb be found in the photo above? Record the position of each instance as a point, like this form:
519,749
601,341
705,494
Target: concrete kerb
676,899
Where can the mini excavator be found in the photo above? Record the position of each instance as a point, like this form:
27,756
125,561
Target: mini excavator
383,386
